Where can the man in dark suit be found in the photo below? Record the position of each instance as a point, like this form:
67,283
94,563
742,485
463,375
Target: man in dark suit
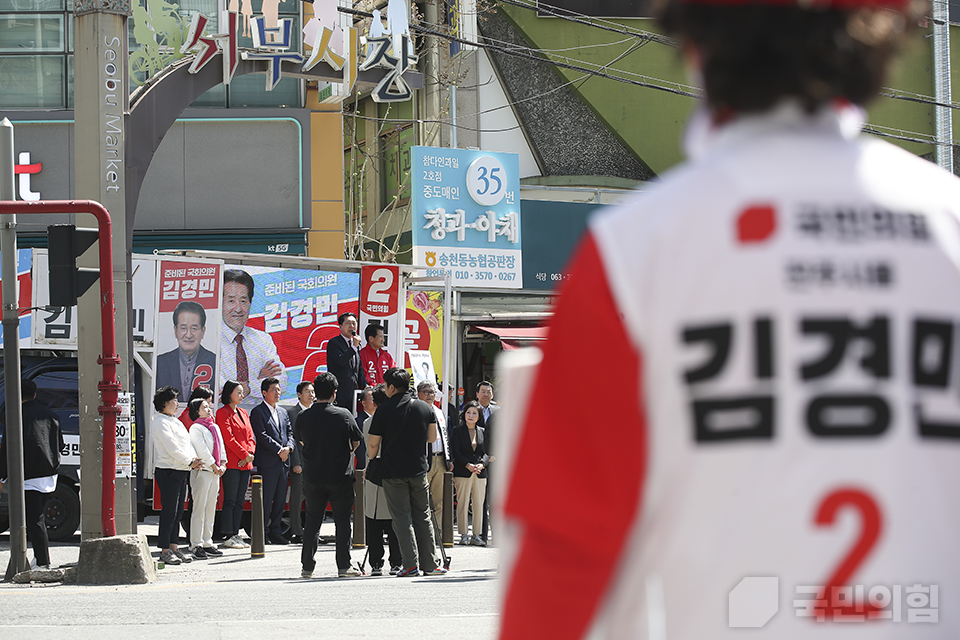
343,361
189,365
305,399
271,426
485,398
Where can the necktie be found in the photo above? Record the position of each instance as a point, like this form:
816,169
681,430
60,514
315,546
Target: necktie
243,375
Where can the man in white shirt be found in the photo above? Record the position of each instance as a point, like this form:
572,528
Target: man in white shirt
438,451
247,355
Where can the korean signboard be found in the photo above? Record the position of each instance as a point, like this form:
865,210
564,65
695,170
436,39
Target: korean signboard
466,216
57,326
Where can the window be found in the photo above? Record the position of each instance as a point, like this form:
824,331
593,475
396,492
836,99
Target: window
36,61
58,389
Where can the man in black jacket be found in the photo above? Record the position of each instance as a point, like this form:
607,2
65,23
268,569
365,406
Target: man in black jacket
328,435
42,443
343,361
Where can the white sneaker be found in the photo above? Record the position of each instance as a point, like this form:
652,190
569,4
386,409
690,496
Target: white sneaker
232,543
464,540
246,545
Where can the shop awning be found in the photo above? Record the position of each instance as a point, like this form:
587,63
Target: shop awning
516,337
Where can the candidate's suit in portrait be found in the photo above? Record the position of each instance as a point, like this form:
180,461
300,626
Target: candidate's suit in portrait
168,370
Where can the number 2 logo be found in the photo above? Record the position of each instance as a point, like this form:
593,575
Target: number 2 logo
871,527
381,281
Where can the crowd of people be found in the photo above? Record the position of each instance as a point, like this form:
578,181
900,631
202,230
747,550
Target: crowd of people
317,445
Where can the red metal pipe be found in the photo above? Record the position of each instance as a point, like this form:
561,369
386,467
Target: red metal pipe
110,385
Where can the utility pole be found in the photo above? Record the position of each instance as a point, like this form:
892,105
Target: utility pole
941,79
13,438
101,90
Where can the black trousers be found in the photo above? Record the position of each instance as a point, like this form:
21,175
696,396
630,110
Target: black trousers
173,491
375,531
340,496
37,526
235,484
274,497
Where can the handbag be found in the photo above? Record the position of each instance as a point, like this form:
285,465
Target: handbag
374,471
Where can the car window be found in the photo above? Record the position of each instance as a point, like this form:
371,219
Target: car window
58,390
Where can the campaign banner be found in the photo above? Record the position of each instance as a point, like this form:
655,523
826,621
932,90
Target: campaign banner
286,317
57,326
380,305
424,330
187,325
24,298
466,216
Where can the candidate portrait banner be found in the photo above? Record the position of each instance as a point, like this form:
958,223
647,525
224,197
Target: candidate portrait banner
297,311
187,325
423,327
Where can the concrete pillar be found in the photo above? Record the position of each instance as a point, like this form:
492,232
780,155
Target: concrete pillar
101,96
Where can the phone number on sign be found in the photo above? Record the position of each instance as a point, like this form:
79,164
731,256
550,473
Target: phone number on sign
478,276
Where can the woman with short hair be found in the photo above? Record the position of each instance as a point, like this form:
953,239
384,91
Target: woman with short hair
470,460
174,460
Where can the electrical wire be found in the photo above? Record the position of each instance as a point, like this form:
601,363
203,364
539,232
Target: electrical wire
672,87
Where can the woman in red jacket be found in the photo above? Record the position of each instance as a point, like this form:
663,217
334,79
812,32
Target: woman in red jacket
240,443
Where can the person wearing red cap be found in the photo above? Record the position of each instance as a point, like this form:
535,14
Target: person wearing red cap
782,311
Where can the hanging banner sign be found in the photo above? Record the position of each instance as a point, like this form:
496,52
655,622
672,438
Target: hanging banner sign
380,305
188,325
423,327
466,216
57,326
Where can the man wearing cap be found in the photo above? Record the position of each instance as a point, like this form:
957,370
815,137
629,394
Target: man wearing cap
782,313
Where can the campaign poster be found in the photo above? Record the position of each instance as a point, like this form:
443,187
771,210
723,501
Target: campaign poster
57,326
285,318
188,325
421,367
424,328
24,298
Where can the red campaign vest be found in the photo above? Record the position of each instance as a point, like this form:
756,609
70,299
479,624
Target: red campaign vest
781,319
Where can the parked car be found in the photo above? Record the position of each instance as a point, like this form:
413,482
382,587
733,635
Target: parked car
57,387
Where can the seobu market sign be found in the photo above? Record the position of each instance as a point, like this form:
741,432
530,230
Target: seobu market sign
341,47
